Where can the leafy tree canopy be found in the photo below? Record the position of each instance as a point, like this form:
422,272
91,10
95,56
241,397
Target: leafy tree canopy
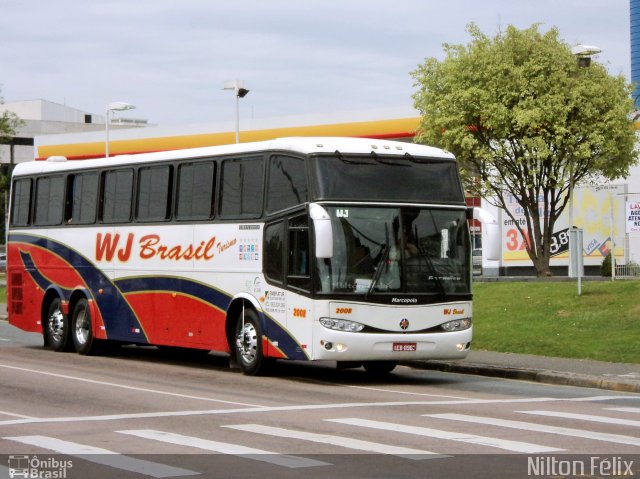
525,119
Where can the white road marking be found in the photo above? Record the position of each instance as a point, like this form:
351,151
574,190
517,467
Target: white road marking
16,415
584,417
306,407
409,393
408,453
226,448
5,339
124,386
624,409
515,446
103,456
531,426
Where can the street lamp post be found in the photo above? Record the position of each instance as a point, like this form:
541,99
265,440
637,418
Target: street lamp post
111,107
583,54
240,92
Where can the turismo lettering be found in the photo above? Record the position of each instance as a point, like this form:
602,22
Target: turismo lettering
114,247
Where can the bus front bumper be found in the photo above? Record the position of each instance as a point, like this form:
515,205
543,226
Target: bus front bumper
346,346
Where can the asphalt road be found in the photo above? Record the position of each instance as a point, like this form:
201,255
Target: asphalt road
141,412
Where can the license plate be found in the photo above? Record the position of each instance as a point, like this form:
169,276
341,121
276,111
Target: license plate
404,346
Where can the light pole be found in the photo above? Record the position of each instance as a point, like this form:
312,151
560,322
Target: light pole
583,54
240,92
115,106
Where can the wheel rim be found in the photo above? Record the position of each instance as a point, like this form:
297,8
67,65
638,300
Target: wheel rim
247,343
56,325
82,327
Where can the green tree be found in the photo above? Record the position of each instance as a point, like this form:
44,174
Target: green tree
9,123
526,120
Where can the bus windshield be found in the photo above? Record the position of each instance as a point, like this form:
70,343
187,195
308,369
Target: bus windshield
395,250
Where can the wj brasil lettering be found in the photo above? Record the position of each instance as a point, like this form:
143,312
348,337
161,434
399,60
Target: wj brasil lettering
112,247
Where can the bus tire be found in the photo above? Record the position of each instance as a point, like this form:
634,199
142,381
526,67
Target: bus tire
379,368
56,328
248,344
82,329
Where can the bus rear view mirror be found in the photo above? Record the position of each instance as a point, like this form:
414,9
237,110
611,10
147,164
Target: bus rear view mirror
491,237
323,230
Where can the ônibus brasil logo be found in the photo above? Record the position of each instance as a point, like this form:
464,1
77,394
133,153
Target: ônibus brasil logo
33,467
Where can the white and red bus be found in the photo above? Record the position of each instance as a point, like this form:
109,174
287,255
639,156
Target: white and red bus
341,249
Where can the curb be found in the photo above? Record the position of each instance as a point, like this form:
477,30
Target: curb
534,375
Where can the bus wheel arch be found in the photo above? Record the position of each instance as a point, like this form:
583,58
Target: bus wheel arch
55,323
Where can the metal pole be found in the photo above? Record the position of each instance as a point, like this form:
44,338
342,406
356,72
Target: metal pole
106,128
613,245
580,261
237,116
571,272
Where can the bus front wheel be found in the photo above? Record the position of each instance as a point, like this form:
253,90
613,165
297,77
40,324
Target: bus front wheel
248,344
57,327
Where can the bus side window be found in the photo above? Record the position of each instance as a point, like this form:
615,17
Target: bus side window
82,199
117,191
274,252
49,201
154,193
287,183
242,187
21,202
194,193
298,265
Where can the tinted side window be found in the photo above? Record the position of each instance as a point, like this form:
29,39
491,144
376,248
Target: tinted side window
117,192
242,186
273,252
84,196
287,183
195,191
49,201
21,202
298,269
154,185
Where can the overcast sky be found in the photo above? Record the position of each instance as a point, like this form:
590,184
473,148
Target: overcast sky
319,58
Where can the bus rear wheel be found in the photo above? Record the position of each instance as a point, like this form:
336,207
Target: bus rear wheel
248,344
56,328
82,329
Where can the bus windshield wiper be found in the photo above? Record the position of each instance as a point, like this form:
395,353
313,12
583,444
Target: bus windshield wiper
359,160
434,275
432,269
378,273
388,161
381,263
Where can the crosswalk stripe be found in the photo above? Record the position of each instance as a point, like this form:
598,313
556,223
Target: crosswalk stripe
515,446
103,456
584,417
408,453
226,448
531,426
624,409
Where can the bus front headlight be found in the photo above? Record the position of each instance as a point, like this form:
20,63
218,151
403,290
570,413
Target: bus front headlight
342,325
456,325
